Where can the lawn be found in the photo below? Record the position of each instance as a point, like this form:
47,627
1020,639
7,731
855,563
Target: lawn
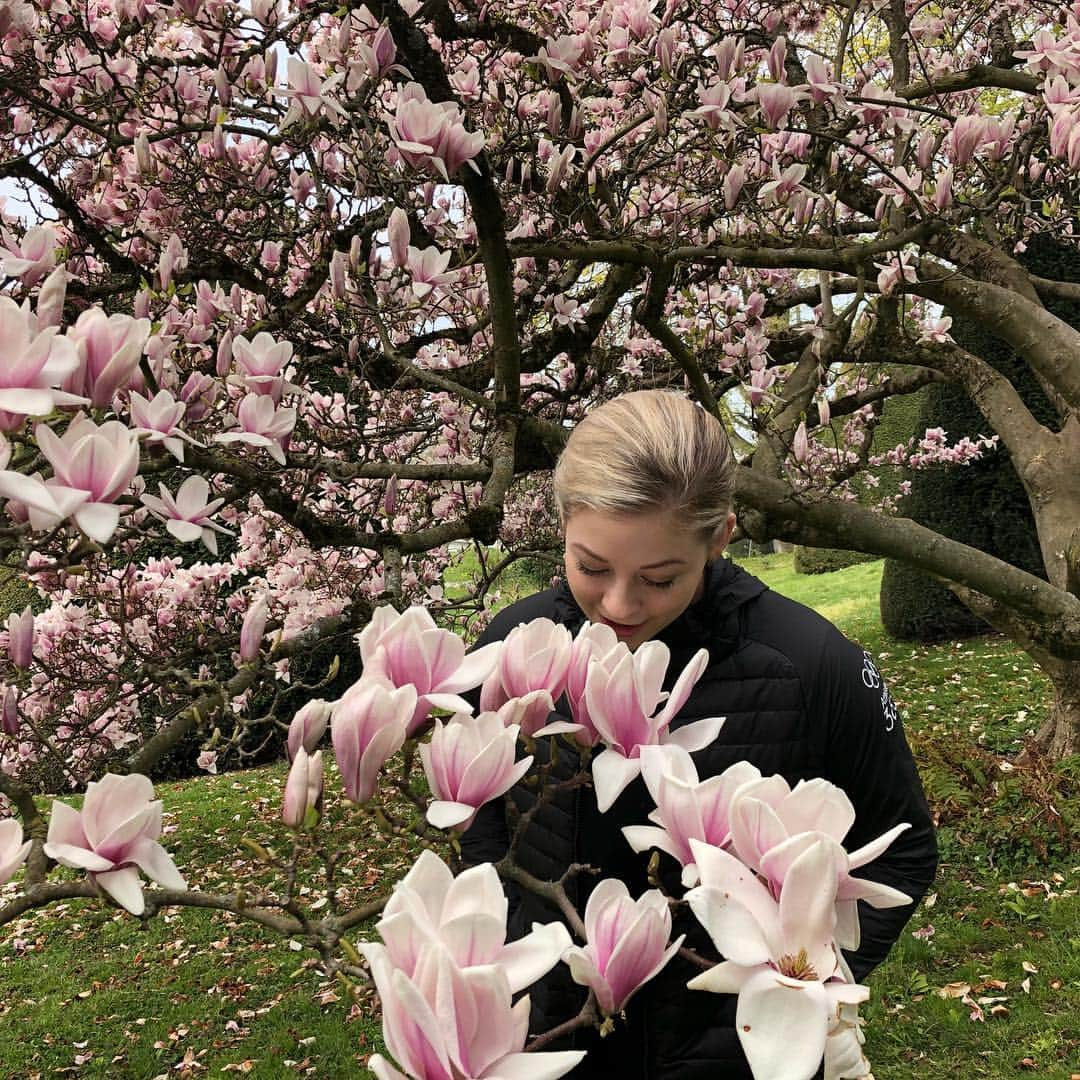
984,983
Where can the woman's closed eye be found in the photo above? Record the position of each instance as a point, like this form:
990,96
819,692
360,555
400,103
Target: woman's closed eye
591,571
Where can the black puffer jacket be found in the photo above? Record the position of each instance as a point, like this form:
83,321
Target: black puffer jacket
800,700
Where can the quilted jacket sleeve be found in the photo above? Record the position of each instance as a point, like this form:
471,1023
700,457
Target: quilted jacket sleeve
868,756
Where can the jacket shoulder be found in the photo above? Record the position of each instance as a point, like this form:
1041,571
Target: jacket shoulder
540,605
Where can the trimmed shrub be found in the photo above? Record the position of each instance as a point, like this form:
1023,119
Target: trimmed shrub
825,560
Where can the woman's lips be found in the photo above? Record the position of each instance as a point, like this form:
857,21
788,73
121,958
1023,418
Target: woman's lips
622,629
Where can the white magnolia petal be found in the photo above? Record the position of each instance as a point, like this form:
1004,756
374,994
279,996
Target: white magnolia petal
782,1025
696,736
612,773
726,977
124,887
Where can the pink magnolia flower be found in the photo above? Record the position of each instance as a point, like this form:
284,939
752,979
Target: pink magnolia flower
936,330
253,629
592,640
308,726
9,711
261,364
714,109
92,467
35,362
772,824
686,808
776,100
156,420
21,638
734,180
311,95
428,269
967,135
427,133
623,692
173,257
188,515
469,762
198,394
560,56
13,850
465,915
783,185
303,788
368,726
262,423
30,258
761,379
533,663
113,837
898,269
800,443
819,76
781,960
109,348
627,943
376,59
398,234
410,650
449,1023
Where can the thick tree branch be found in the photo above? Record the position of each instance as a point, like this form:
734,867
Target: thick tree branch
778,512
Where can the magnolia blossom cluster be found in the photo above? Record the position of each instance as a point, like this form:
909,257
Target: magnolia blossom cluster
932,448
768,875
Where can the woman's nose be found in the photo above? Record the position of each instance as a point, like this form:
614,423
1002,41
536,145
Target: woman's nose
620,603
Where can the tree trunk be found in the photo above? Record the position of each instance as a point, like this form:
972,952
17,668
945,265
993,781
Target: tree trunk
1059,736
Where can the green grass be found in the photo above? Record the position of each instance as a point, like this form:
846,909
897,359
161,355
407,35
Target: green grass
92,992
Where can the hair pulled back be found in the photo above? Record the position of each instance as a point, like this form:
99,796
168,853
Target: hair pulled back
648,451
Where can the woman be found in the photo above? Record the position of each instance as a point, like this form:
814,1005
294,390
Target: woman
643,490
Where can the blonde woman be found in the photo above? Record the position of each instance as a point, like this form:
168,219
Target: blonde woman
643,489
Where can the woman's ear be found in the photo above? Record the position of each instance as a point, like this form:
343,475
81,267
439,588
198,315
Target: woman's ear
722,537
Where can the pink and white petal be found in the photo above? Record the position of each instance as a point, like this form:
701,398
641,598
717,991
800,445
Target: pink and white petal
124,887
755,829
848,931
721,870
384,744
584,972
98,520
66,826
383,1070
185,531
776,862
449,702
782,1025
612,774
817,805
695,736
78,858
546,1065
533,956
444,814
725,978
873,892
473,670
734,930
559,727
27,401
869,852
645,837
475,940
808,904
157,864
683,685
845,993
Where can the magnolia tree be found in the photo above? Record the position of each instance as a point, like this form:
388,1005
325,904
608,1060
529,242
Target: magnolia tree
327,283
293,298
767,875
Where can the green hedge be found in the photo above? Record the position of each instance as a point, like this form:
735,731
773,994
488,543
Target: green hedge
825,560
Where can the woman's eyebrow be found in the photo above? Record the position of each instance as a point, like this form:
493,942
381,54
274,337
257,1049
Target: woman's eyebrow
650,566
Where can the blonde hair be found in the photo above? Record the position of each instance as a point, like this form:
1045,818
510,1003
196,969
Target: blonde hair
646,451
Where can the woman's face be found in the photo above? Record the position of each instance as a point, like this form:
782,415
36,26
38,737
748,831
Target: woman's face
636,572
